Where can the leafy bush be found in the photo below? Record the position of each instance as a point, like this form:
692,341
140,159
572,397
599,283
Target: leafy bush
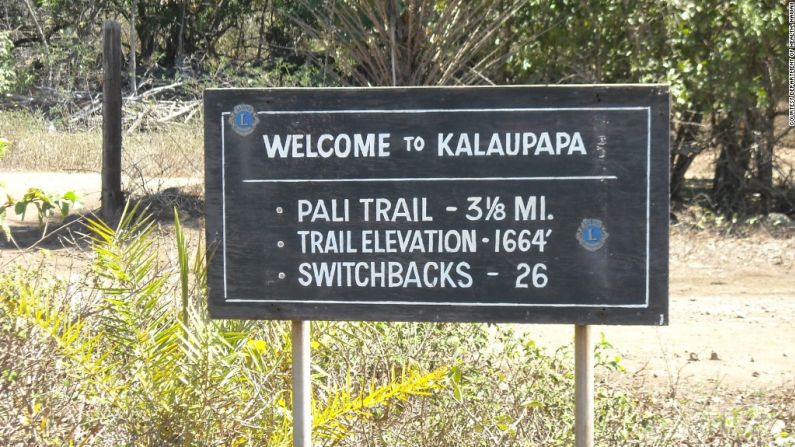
124,354
145,366
722,60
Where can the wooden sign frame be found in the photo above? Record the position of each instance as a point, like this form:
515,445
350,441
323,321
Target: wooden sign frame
606,252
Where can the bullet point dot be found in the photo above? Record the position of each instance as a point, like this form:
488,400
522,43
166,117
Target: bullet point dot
279,210
281,275
280,244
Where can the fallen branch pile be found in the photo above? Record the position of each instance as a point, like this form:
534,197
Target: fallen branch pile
146,110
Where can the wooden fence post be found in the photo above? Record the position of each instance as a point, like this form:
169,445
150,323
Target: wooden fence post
112,199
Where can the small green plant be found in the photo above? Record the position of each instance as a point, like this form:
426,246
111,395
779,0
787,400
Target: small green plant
46,205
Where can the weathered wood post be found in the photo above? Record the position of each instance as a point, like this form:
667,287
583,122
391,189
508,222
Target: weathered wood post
111,119
583,378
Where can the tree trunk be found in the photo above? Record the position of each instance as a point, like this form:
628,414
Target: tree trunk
146,31
678,170
392,19
262,29
764,162
506,38
133,68
684,153
729,184
241,39
43,38
181,36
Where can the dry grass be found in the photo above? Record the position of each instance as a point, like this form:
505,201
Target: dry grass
720,418
175,151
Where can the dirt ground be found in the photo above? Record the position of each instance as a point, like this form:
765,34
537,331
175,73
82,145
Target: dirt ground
732,311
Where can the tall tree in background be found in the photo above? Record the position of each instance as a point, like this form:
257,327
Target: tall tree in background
49,39
723,59
410,42
170,30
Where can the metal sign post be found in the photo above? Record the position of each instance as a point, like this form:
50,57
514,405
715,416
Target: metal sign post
526,204
302,391
584,391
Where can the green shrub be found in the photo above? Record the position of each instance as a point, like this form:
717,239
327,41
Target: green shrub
123,353
149,368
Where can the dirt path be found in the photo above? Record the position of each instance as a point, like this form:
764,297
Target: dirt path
734,297
88,185
751,336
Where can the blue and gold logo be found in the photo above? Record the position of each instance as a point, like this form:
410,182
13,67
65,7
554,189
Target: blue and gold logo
592,234
244,119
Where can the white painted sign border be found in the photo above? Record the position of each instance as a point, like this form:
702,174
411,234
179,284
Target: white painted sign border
414,111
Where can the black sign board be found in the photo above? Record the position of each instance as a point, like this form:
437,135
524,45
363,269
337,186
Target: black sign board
515,204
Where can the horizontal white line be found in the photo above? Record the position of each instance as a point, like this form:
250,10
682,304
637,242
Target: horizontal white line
451,209
449,88
427,179
421,111
434,303
500,109
493,273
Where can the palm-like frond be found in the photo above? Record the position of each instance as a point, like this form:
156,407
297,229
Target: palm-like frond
148,357
412,42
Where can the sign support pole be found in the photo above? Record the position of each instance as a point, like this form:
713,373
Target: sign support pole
302,391
584,386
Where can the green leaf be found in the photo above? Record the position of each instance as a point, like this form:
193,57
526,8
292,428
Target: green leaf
71,196
20,208
533,404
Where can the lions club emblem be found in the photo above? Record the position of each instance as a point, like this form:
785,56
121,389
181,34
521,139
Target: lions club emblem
592,234
243,120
